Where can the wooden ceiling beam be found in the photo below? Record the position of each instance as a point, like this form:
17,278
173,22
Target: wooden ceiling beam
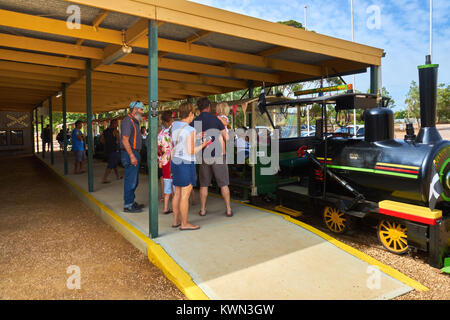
43,24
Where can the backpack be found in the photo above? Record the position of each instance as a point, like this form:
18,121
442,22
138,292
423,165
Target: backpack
165,146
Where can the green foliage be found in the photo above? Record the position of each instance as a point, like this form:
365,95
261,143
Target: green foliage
385,93
412,101
443,103
292,23
402,114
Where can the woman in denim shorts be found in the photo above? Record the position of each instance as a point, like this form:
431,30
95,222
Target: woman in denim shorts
183,165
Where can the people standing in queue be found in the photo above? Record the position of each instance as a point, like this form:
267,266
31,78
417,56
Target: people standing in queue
144,133
46,137
183,165
144,149
216,165
77,138
165,148
130,145
60,139
110,138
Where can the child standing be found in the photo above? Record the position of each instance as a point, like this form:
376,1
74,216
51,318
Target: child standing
222,110
165,147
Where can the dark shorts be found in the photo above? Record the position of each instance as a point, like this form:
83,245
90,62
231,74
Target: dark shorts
220,172
160,172
113,160
80,155
184,174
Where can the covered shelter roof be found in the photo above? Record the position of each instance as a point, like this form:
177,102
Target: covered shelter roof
201,51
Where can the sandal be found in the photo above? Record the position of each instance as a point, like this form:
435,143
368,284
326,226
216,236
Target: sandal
176,226
202,215
167,212
105,182
229,215
189,229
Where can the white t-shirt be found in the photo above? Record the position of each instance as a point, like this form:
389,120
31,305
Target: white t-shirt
226,119
180,133
242,144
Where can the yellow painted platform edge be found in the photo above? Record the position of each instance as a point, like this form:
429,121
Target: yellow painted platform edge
289,211
156,254
354,252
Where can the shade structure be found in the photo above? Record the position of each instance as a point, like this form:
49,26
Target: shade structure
201,51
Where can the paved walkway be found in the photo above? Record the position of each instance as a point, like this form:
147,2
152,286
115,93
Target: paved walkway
255,254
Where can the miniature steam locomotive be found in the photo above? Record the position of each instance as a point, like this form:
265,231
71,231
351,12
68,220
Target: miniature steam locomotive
402,185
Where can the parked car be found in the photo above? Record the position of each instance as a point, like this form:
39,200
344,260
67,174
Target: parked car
305,127
348,130
305,134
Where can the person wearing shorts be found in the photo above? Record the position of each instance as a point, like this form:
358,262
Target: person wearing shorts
165,148
216,166
78,148
183,166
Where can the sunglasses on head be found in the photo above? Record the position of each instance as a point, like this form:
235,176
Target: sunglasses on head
135,104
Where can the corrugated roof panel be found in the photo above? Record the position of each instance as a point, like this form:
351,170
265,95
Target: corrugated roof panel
118,21
175,31
223,41
55,9
301,56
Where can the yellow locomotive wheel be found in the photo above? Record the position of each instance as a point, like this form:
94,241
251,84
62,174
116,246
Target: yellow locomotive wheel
393,236
335,220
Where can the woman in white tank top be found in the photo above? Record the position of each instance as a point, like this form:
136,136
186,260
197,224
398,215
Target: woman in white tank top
183,166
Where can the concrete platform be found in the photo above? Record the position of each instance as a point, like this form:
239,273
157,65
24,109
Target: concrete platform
255,254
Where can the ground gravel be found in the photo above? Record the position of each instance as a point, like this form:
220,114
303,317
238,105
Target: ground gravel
45,228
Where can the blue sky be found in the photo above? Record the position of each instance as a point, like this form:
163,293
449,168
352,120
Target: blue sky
403,32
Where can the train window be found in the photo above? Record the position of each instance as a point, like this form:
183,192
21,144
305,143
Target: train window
3,138
285,117
16,137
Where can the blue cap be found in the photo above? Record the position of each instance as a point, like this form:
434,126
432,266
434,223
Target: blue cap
137,104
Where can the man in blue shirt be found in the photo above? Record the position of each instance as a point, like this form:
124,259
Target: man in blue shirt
77,138
218,167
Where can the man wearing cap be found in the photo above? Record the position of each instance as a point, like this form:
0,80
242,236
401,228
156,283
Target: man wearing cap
130,145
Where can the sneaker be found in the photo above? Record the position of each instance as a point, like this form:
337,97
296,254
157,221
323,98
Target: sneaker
133,209
140,206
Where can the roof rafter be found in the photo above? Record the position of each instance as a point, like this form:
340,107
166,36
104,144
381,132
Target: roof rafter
41,24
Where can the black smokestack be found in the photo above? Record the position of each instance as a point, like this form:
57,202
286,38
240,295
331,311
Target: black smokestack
428,93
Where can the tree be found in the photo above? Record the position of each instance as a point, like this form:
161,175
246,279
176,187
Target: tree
402,114
412,101
385,93
443,104
292,23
